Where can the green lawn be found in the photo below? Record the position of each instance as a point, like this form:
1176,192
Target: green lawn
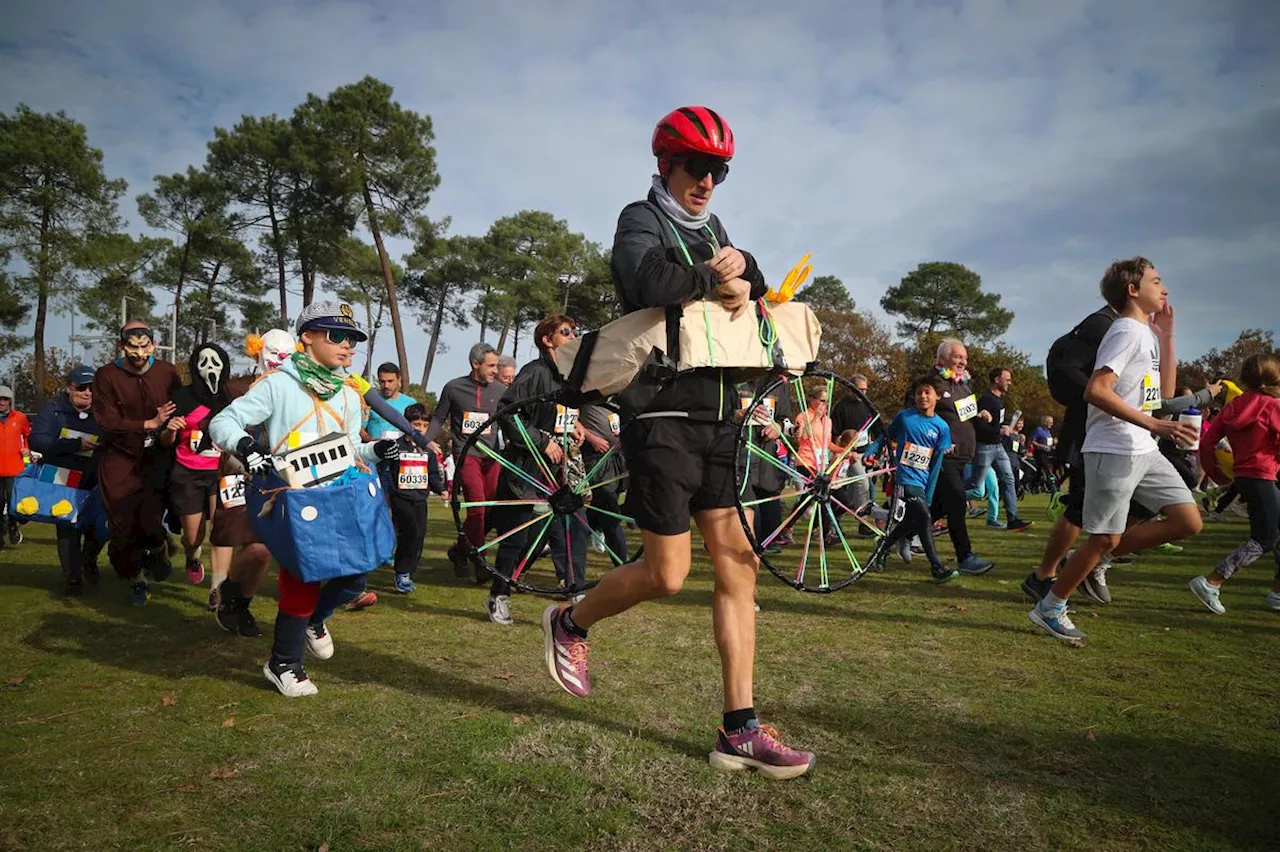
941,719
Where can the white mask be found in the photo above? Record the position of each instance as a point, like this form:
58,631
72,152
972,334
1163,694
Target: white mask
277,346
209,368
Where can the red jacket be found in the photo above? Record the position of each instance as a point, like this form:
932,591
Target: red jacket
14,430
1251,423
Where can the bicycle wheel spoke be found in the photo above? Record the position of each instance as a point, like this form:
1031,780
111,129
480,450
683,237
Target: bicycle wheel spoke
534,450
534,547
804,556
835,465
801,505
623,518
467,505
784,495
789,471
511,468
602,484
506,535
821,460
617,560
841,483
595,467
844,542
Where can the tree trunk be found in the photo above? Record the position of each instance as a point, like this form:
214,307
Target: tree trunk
435,337
387,276
277,243
515,343
308,274
177,294
502,338
42,303
373,340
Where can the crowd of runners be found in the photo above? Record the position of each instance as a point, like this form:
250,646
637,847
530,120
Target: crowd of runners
133,460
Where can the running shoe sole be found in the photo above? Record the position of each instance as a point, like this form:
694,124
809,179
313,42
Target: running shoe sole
1039,621
733,763
1205,599
549,646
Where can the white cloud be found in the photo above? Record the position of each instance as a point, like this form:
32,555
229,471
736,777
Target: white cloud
875,136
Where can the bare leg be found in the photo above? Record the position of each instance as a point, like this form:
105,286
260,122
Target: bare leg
249,567
733,609
659,574
220,565
1180,521
1084,560
1061,538
192,535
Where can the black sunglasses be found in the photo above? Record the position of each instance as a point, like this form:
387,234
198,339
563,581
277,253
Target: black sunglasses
84,387
338,337
568,331
700,167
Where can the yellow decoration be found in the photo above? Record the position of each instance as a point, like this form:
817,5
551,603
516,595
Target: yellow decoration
794,281
61,509
359,383
253,346
1233,390
28,506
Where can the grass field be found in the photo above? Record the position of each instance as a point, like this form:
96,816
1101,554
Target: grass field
941,719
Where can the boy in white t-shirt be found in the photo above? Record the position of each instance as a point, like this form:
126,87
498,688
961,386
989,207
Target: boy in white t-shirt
1134,370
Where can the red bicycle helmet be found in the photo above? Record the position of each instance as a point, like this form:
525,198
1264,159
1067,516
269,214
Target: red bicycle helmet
693,130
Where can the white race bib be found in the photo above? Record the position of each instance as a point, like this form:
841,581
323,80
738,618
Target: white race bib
566,419
414,472
1150,392
208,452
967,408
1013,445
473,420
916,456
615,424
231,491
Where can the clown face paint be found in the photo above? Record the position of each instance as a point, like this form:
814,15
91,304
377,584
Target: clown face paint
277,346
138,345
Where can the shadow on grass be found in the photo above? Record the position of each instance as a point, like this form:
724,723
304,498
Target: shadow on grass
1153,777
158,648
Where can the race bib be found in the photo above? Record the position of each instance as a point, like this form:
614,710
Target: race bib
1013,445
768,404
391,434
566,419
472,421
967,408
1150,392
79,436
231,491
414,472
916,456
615,424
194,443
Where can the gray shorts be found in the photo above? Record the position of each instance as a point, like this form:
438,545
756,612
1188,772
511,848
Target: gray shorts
1112,480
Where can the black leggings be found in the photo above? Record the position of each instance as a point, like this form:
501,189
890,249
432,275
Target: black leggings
1263,498
410,520
950,501
75,548
916,520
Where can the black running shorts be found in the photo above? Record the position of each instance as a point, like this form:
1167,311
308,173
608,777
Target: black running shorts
677,467
190,490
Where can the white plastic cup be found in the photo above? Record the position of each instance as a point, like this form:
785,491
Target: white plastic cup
1194,419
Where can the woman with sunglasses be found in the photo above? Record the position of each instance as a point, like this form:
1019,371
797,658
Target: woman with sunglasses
668,250
306,398
66,436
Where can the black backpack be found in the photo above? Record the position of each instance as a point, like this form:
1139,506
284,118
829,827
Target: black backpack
1072,356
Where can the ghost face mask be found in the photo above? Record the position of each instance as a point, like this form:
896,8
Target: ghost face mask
138,345
277,346
210,369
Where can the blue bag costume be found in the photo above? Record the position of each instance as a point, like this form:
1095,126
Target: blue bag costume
47,494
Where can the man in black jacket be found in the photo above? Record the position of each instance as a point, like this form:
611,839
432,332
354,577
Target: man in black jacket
990,430
669,249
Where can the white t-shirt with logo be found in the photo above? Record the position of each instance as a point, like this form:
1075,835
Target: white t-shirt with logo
1130,350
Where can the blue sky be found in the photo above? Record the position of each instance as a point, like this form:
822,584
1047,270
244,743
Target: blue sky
1033,142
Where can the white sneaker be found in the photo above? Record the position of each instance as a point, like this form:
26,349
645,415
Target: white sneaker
319,641
1273,601
1208,595
597,542
499,609
288,682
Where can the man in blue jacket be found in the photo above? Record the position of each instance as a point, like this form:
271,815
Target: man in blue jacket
66,436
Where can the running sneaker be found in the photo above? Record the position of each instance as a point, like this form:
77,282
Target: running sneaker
195,571
996,524
15,533
459,562
973,565
248,625
597,542
1019,525
319,641
977,512
139,593
1273,601
1035,588
364,600
876,562
404,583
74,589
760,748
784,539
228,615
1094,585
214,599
1208,595
499,609
290,679
1169,547
942,574
1056,508
566,654
1055,621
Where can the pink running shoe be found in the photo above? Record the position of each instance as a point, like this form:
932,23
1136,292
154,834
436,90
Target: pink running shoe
566,654
195,571
759,748
364,600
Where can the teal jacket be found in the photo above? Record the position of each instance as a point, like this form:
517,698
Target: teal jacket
281,404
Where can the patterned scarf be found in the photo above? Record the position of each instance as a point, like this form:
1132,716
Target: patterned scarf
322,381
